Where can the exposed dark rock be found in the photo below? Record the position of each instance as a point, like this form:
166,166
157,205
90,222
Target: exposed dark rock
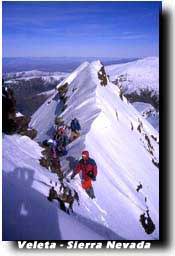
147,223
62,90
156,163
8,111
28,93
22,122
145,96
139,128
154,138
62,94
31,133
140,186
149,142
117,115
102,76
44,162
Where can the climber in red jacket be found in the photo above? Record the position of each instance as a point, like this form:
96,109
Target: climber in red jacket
88,169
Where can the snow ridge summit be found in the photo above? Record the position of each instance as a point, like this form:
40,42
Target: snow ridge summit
116,136
122,143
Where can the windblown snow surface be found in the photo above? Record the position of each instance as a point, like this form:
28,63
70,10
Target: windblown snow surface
121,156
148,112
139,78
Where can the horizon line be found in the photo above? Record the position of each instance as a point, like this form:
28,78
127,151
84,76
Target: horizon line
135,57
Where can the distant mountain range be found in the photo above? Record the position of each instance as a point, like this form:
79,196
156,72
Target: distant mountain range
48,64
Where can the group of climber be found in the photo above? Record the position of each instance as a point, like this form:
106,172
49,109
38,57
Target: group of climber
86,166
87,169
63,136
88,172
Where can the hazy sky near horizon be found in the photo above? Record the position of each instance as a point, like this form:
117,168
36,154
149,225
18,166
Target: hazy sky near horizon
92,29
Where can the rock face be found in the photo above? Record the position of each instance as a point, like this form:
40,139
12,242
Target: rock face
102,76
146,96
8,111
10,122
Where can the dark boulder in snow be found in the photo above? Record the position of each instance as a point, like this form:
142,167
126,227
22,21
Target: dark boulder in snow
102,76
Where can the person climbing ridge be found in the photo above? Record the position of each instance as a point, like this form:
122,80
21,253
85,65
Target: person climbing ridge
88,169
52,194
54,157
62,141
75,129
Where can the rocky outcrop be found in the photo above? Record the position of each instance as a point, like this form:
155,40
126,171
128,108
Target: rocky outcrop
10,122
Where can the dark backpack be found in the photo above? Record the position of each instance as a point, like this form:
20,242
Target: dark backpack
75,126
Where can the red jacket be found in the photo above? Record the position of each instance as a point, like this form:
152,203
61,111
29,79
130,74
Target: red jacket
85,167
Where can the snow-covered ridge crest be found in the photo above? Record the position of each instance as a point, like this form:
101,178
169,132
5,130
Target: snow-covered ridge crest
73,75
137,75
109,132
81,95
81,101
120,153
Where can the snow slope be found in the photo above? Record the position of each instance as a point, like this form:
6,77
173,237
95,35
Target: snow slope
120,153
142,74
139,80
27,214
51,108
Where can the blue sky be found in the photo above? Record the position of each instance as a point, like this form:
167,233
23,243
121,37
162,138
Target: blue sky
92,29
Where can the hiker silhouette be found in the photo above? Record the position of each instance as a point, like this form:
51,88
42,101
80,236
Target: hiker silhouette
25,211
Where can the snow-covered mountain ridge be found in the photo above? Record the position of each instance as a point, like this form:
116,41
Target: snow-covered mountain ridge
33,73
139,79
137,75
123,156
